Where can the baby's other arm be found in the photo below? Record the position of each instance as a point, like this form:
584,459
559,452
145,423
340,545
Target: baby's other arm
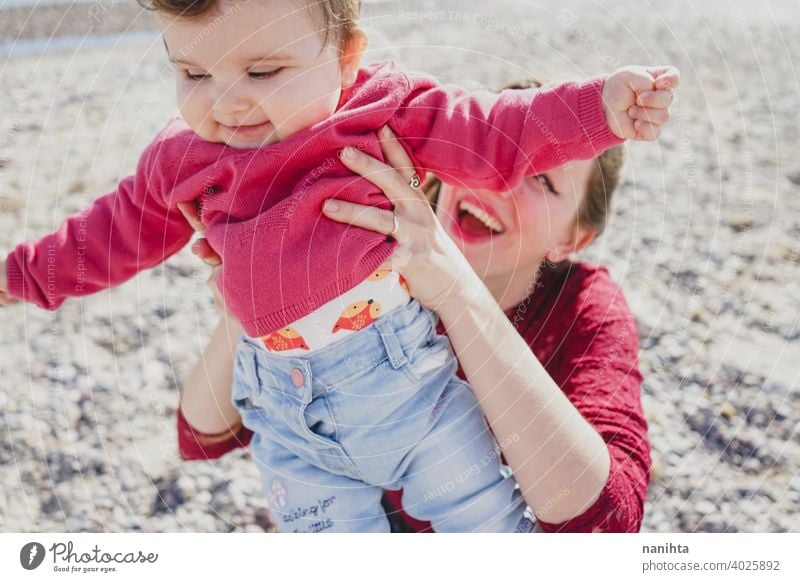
492,140
114,238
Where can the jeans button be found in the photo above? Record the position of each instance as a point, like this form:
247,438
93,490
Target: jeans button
297,378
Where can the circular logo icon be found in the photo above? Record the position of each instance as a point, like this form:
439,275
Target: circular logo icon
31,555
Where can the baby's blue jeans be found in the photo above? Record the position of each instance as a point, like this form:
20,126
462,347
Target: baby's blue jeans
380,409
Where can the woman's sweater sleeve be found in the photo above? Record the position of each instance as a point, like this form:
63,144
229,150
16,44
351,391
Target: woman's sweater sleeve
194,445
493,140
118,235
600,376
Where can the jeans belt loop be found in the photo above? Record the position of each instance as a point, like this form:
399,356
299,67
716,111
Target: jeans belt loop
393,348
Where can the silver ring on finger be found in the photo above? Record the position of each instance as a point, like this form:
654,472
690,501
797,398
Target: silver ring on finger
396,224
415,182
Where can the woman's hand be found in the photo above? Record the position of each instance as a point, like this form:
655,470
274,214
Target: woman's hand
203,250
436,271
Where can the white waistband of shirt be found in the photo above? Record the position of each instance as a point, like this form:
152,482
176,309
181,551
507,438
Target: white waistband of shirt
380,293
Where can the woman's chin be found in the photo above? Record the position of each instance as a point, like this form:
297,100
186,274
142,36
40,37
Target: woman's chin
480,251
484,250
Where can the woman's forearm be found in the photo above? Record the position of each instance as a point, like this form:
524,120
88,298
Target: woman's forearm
206,393
559,460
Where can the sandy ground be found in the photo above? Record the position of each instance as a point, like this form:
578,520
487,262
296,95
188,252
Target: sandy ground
705,241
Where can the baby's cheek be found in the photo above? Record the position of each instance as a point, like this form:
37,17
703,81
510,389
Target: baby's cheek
300,111
185,104
195,114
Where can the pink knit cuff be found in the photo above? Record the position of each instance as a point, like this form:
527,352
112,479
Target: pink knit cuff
16,280
593,118
194,445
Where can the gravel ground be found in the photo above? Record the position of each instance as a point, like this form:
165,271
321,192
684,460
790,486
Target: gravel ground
46,21
705,241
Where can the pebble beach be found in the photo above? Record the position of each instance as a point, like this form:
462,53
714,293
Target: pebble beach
704,241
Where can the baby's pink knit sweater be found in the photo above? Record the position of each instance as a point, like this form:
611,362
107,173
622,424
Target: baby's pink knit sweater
282,258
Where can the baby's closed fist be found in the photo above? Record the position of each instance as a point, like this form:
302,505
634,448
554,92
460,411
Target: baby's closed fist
636,100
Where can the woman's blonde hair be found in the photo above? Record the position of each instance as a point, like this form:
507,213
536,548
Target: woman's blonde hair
596,205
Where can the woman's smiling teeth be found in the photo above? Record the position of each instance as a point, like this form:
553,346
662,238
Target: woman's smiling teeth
488,221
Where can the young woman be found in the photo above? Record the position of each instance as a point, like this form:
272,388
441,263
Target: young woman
549,345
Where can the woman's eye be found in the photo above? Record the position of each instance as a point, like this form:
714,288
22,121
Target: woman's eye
545,181
196,76
265,74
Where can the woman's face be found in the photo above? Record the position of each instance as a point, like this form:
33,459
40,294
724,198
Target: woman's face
508,233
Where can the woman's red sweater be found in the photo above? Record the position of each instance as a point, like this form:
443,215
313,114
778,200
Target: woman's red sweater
581,329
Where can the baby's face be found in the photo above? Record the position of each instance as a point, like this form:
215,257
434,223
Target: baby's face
253,73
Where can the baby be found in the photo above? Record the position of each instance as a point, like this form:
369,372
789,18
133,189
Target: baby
340,373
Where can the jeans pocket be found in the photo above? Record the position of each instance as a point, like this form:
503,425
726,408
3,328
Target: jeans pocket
431,358
320,430
317,421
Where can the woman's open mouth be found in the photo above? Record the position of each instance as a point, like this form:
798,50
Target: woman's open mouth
475,223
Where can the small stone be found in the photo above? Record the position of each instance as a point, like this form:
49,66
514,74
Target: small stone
713,524
752,465
184,486
76,524
170,495
699,314
794,484
203,498
727,410
203,482
238,500
103,503
164,312
155,372
740,222
127,479
54,506
67,372
705,507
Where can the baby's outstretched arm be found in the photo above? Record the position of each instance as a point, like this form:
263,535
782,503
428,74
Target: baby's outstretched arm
118,235
492,140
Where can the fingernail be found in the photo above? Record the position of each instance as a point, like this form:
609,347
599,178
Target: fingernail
332,206
349,153
386,132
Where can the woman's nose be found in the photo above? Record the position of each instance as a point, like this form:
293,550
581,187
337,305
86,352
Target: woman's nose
494,195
